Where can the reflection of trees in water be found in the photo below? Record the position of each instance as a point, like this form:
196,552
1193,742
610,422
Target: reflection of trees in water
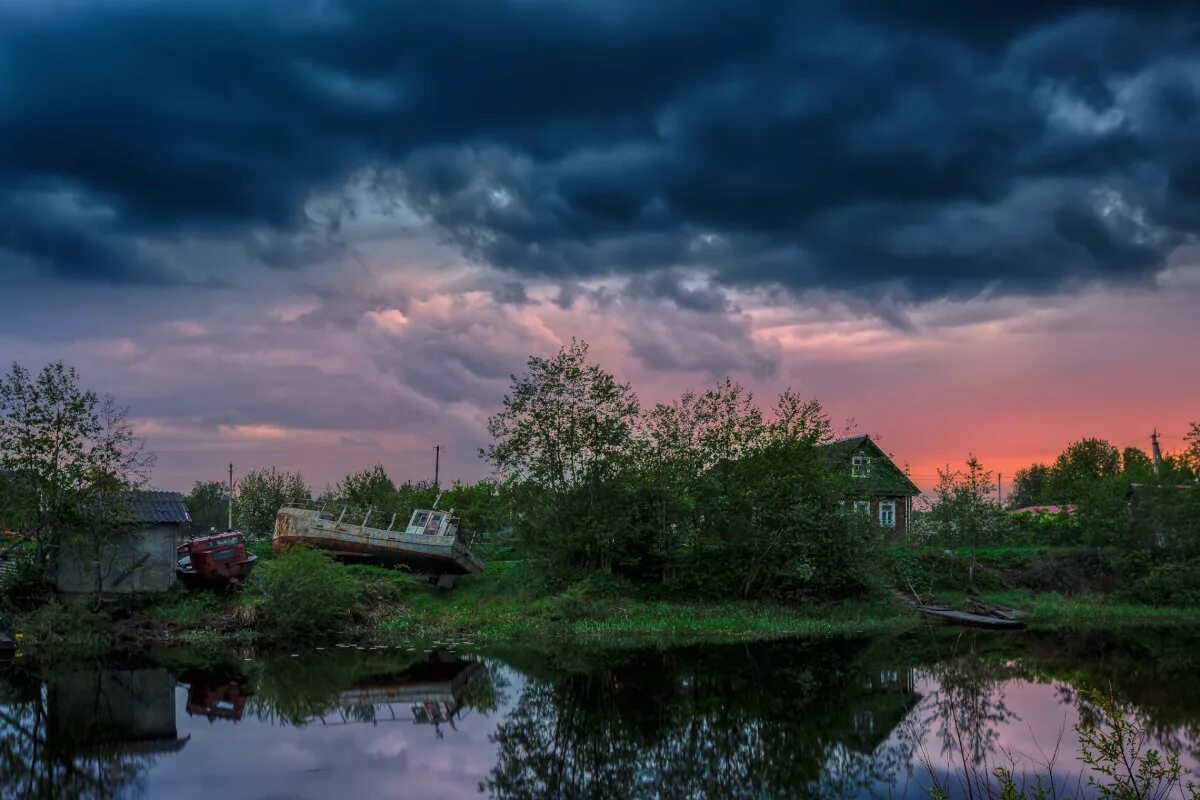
762,721
38,761
966,701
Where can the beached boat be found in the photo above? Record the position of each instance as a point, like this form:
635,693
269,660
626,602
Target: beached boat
972,620
219,560
429,544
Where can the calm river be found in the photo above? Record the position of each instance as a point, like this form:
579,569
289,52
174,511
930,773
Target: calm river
874,717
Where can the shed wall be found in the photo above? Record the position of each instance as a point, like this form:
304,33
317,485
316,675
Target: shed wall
151,548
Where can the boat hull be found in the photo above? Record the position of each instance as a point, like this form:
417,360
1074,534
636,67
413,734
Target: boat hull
231,575
437,555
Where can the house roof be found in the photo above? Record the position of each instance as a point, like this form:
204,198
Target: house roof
1044,509
889,481
156,507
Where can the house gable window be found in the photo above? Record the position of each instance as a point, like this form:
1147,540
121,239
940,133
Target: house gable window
887,514
862,507
859,465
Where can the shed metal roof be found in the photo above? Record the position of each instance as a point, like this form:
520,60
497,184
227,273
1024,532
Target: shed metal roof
156,507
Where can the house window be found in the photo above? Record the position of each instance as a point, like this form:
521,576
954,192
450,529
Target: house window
887,514
862,507
858,467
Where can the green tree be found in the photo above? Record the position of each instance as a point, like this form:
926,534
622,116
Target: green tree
63,448
1191,454
1136,466
963,510
368,489
208,504
260,495
1028,486
1079,467
564,432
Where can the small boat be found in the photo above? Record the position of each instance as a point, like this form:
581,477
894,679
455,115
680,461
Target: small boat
219,559
972,620
430,544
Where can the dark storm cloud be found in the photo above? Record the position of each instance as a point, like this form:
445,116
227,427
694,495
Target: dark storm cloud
936,151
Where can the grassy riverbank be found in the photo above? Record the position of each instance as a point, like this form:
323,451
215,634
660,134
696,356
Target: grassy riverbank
515,601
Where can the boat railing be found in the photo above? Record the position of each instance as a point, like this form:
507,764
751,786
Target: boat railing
356,516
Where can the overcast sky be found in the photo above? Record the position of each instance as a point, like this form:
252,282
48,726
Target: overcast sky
321,235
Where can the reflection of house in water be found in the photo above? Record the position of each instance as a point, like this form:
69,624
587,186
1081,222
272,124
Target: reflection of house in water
432,692
887,696
119,711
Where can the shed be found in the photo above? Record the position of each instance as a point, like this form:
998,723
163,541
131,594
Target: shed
140,557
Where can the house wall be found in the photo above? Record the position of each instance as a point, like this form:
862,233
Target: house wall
901,514
151,548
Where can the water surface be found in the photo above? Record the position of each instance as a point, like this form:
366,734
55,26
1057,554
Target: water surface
838,717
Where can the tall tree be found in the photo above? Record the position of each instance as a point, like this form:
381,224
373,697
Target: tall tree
1191,455
565,431
1136,465
208,504
62,447
963,508
260,495
1079,467
1029,484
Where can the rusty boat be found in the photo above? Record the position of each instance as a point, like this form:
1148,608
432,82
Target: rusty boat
429,544
218,560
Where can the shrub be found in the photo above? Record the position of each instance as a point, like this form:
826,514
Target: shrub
577,603
54,625
305,593
1172,584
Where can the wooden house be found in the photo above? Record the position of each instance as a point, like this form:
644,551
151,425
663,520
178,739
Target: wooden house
876,486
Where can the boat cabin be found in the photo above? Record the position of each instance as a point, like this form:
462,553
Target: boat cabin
431,522
219,559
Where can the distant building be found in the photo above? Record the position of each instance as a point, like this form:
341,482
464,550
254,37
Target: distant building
878,488
139,559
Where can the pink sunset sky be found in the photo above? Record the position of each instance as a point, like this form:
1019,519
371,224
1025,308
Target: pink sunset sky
327,379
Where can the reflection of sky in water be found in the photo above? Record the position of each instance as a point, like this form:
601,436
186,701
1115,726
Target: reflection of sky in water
1030,724
823,717
249,758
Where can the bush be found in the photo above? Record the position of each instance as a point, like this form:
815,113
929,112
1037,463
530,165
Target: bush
305,593
1168,585
54,625
578,603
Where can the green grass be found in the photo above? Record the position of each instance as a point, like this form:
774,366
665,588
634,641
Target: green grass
184,608
514,601
521,602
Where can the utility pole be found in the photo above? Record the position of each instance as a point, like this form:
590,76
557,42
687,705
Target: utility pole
1155,450
1000,488
230,497
437,459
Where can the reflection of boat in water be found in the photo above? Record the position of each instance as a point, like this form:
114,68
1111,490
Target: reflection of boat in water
433,691
219,559
429,544
216,696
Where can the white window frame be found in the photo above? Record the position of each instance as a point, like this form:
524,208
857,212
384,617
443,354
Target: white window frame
862,507
887,509
859,466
